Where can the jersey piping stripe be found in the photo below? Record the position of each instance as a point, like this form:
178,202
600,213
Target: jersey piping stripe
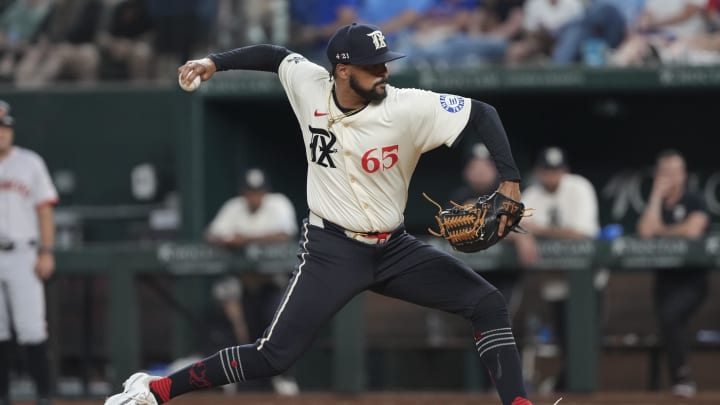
290,290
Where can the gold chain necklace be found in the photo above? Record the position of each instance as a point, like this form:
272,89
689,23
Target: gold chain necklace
332,120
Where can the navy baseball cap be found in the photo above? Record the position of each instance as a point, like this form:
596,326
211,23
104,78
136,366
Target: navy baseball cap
255,180
552,158
359,44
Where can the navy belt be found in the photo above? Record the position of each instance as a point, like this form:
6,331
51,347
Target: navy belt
10,245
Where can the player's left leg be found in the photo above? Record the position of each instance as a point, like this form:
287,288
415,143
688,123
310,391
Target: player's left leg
5,335
331,269
419,273
260,299
26,298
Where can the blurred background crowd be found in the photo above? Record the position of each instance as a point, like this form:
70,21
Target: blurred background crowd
45,41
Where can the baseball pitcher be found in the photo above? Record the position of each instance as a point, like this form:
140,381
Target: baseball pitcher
363,138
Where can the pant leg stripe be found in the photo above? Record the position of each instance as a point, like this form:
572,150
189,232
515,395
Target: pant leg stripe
495,336
499,339
496,346
225,364
236,359
290,290
493,331
230,360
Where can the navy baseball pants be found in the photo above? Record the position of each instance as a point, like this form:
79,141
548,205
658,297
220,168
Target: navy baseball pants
333,267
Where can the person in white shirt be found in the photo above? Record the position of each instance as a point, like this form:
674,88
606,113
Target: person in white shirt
662,32
565,206
256,216
27,234
362,140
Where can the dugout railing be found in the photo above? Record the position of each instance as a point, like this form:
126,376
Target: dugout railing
122,264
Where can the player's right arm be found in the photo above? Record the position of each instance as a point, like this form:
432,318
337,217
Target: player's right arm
264,58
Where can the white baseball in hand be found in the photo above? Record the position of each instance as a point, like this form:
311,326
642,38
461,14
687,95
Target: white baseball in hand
192,86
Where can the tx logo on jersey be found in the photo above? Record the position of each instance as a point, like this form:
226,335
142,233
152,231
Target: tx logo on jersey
378,39
321,146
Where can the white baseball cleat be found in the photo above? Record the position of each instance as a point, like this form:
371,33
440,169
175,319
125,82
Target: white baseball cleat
136,392
285,386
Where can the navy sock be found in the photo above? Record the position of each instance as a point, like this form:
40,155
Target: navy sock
5,348
39,367
228,366
496,346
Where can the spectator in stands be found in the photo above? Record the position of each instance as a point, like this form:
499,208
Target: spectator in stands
20,24
313,23
661,24
703,48
182,29
397,20
440,34
543,22
125,41
481,178
675,211
256,216
565,207
491,27
253,22
497,21
503,18
267,21
607,21
228,27
66,48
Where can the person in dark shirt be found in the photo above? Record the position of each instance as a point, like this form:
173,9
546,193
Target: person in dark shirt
674,211
126,42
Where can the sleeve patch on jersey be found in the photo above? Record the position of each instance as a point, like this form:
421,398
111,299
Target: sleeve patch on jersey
452,103
297,59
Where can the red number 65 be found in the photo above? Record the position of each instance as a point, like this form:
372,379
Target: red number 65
389,157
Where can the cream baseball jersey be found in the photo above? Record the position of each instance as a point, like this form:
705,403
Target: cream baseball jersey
359,166
275,215
24,185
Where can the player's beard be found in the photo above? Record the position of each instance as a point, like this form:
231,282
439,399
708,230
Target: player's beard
375,93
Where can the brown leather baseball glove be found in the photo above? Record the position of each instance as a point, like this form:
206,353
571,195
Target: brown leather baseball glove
474,227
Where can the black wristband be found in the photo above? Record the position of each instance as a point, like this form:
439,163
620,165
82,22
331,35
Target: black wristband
45,249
